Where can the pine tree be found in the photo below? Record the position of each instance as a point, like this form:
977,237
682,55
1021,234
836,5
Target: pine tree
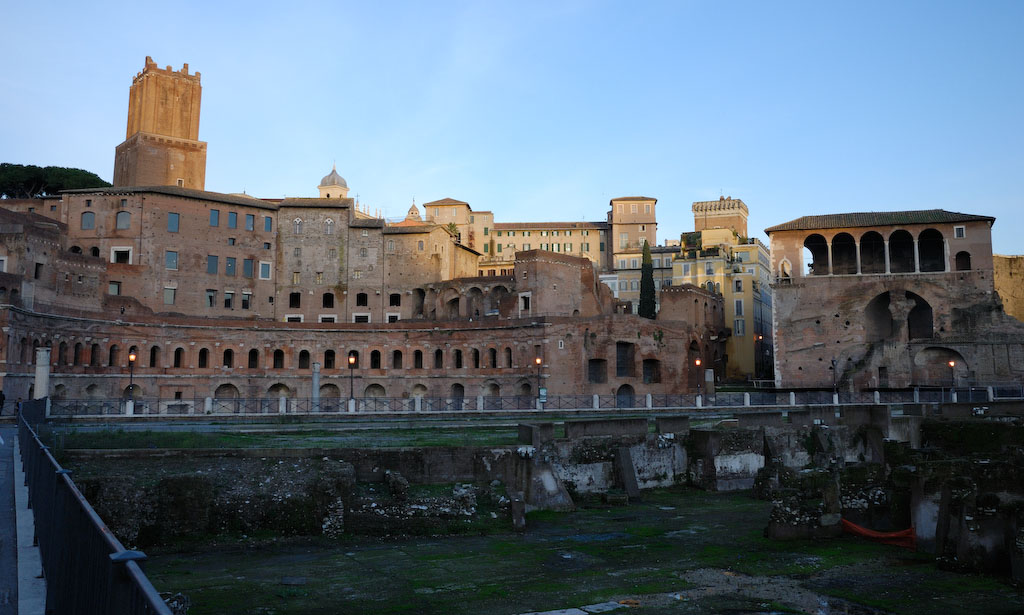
647,301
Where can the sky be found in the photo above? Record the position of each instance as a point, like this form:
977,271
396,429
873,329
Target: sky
544,111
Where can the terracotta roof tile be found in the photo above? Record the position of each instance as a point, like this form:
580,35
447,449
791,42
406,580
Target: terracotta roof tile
203,195
877,218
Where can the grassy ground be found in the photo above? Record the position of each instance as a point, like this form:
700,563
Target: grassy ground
315,438
652,551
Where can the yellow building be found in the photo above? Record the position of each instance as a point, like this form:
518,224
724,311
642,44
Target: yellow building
721,258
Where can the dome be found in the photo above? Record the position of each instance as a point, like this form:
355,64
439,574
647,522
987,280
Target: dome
333,179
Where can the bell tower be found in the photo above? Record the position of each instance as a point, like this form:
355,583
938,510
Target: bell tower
162,146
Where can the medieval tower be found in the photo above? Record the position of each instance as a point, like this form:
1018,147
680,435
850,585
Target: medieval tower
162,146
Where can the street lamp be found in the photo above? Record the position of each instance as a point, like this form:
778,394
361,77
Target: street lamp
131,377
351,375
538,362
952,377
835,386
700,376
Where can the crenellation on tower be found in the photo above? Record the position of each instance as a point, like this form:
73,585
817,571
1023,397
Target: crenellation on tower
162,146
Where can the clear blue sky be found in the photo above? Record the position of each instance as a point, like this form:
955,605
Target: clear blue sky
546,110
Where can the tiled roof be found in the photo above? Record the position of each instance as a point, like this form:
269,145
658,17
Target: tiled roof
408,229
634,198
367,223
877,218
316,203
514,226
202,195
446,201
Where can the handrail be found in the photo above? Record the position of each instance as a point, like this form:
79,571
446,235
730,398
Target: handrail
86,567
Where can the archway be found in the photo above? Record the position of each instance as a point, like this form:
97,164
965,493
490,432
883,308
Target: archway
844,254
226,391
901,252
374,390
474,303
931,249
919,320
624,397
872,252
330,391
815,255
279,390
931,366
418,390
963,261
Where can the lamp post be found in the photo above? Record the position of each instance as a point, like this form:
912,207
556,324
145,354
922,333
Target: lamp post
351,375
952,378
537,361
835,385
700,376
131,377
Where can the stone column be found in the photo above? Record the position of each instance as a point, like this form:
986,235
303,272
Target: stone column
42,383
857,246
917,257
316,386
829,244
887,269
945,254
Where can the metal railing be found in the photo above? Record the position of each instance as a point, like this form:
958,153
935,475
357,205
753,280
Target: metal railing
378,405
87,570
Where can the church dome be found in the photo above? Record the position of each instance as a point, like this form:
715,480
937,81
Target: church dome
333,179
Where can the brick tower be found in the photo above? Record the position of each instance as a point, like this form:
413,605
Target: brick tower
162,146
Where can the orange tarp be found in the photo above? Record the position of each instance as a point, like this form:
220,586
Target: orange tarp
902,538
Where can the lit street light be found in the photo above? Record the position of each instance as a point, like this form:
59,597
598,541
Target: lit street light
538,362
952,378
131,377
700,376
351,375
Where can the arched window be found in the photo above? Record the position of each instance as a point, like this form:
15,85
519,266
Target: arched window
844,254
297,222
328,227
872,253
328,300
229,358
77,358
438,359
815,255
254,359
123,220
375,359
901,252
94,251
204,357
931,250
417,359
94,355
304,359
492,356
458,359
62,354
113,356
396,359
328,359
179,357
278,359
508,357
963,261
75,250
476,358
88,221
154,356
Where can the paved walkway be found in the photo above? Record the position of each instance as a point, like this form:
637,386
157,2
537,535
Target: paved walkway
8,526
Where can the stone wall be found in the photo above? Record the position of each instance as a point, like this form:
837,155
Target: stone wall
1009,282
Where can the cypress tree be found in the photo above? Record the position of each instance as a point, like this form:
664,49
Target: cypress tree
647,300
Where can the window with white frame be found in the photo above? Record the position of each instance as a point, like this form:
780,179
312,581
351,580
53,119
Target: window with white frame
739,328
959,232
739,307
265,270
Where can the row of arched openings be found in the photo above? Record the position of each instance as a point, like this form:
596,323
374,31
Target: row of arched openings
874,253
